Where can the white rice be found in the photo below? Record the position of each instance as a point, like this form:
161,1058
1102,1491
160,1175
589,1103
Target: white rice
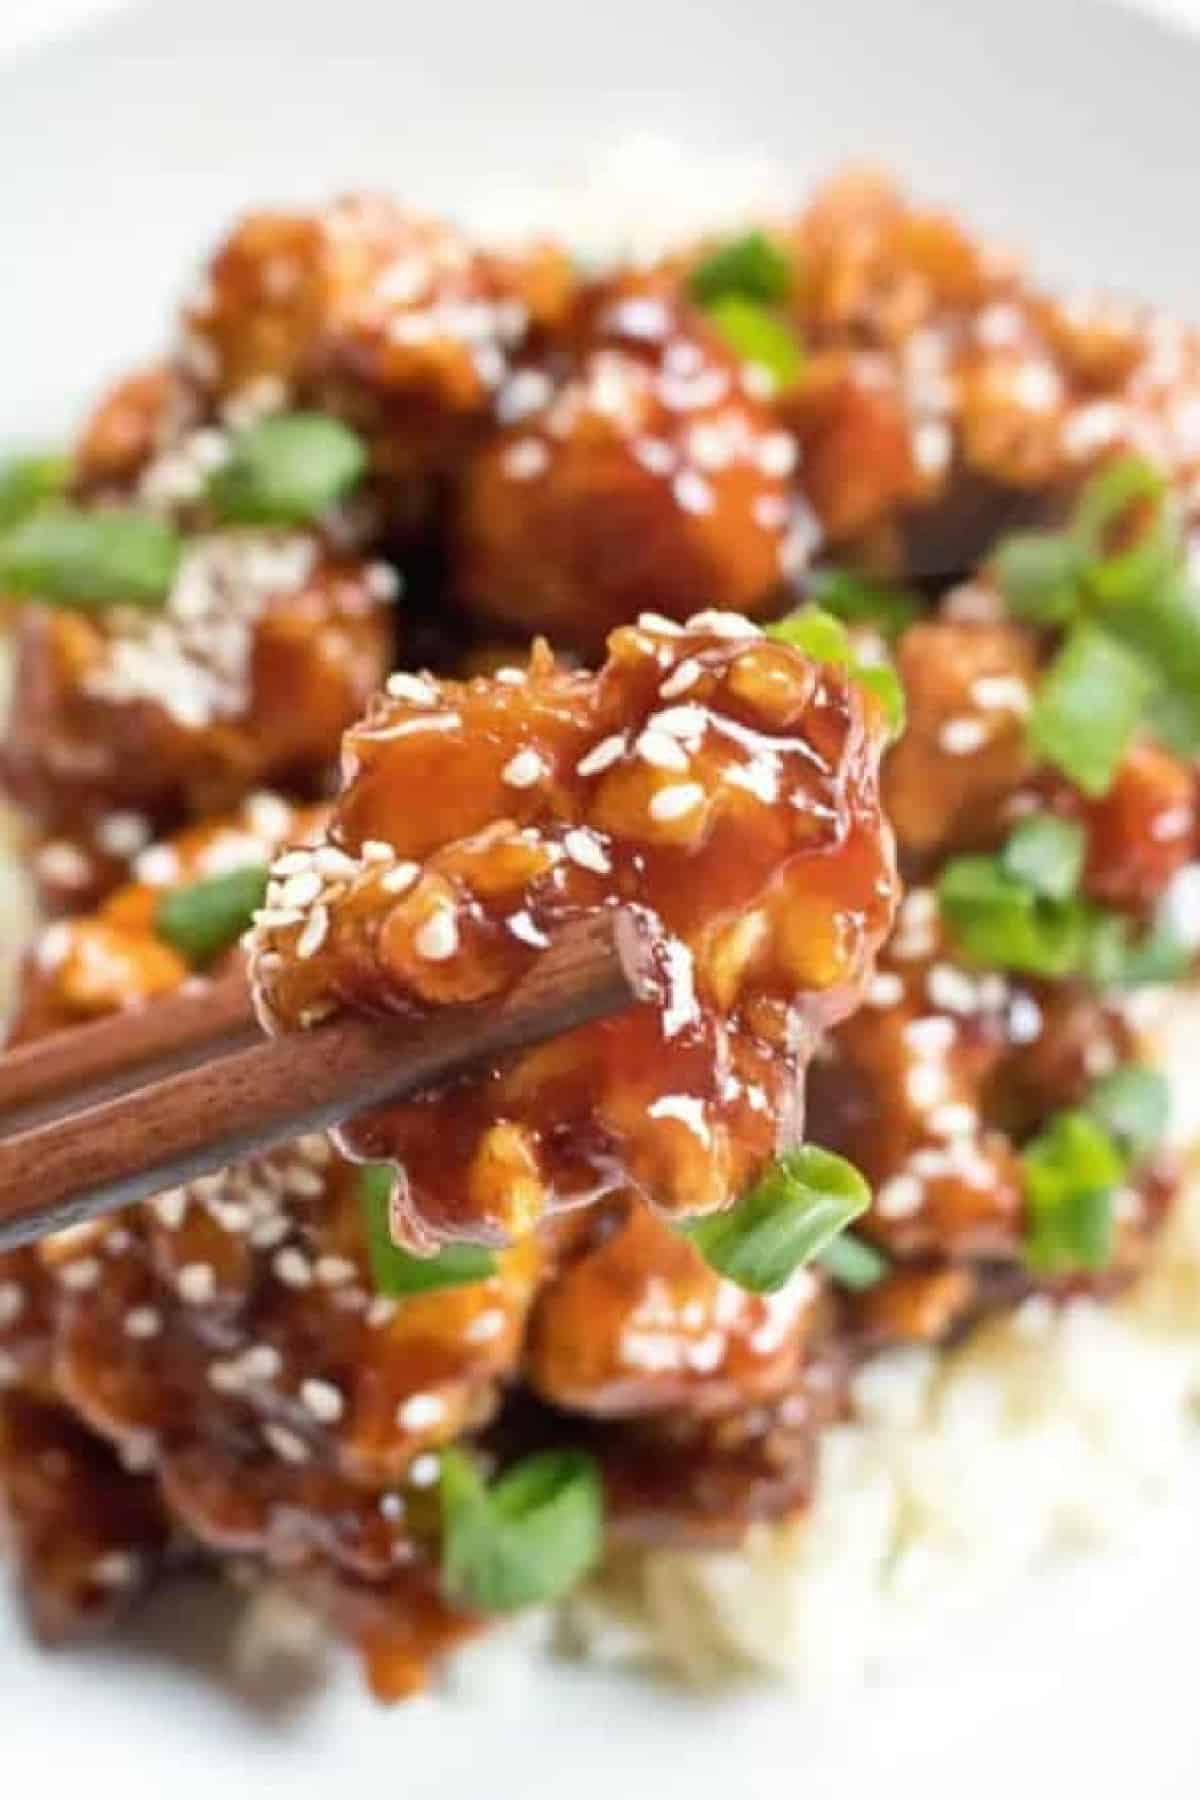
1049,1430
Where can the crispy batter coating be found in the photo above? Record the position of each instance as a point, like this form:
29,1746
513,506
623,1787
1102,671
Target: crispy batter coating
716,780
128,720
633,470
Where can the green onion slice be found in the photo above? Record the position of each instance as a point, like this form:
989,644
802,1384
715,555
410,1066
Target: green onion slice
758,338
66,556
751,266
853,1263
288,470
1046,854
819,635
27,482
1002,923
527,1539
396,1272
1071,1173
1133,1105
858,600
1087,707
207,916
788,1217
1039,574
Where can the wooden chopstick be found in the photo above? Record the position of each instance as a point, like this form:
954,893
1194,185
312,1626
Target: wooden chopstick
101,1059
192,1121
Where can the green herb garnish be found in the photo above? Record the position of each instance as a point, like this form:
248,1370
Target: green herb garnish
528,1538
396,1272
288,470
27,482
63,555
853,1263
207,916
858,600
788,1217
1071,1173
1132,1104
999,920
1046,854
758,338
1088,707
819,635
750,266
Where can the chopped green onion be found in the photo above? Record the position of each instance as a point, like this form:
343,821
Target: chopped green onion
527,1539
1087,708
1039,574
63,555
1133,1105
858,600
1126,575
788,1217
396,1272
758,338
853,1263
207,916
1162,627
288,470
1047,855
1116,956
1002,923
819,635
27,482
1071,1172
751,266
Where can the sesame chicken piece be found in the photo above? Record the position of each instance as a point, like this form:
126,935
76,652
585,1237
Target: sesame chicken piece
964,753
715,780
633,471
265,649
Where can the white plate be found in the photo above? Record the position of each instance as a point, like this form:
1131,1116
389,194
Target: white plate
124,149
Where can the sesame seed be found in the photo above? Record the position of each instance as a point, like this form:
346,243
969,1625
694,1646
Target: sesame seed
299,890
511,677
1001,693
962,736
723,624
81,1275
116,1569
314,933
680,721
292,862
420,1412
332,1271
925,1085
392,1507
655,456
931,1036
778,454
286,1444
683,676
269,817
277,918
374,850
63,865
402,686
523,770
12,1303
382,582
932,445
526,459
661,750
54,944
424,1470
586,851
652,621
951,989
122,834
334,864
900,1197
437,939
885,989
400,879
225,1375
170,1208
292,1267
485,1326
381,1312
523,927
143,1322
322,1399
953,1119
692,493
602,755
261,1362
676,802
197,1283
